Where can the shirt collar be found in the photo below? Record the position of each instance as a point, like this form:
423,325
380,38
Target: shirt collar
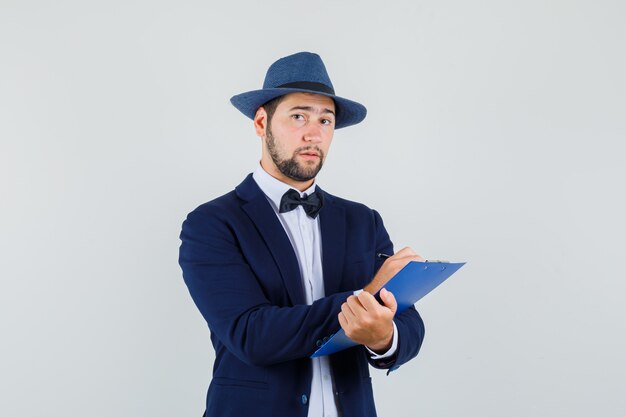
274,188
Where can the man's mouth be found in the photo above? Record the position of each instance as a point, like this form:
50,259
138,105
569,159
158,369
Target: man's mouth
309,157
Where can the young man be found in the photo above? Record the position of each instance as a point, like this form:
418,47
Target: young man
277,265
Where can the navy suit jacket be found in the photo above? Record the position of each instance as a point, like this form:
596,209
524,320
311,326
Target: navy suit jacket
243,275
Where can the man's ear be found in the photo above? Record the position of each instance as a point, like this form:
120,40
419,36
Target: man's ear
260,122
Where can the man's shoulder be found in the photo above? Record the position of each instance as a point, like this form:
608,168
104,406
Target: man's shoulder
212,217
350,206
231,200
224,201
222,207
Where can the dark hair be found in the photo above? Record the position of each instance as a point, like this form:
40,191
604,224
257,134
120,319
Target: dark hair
270,107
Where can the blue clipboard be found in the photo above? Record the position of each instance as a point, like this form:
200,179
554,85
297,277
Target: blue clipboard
413,282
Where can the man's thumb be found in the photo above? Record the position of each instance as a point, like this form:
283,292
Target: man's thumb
389,299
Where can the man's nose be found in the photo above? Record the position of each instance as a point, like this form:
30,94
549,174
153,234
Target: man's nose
313,133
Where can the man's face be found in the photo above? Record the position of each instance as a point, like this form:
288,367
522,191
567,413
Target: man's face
298,136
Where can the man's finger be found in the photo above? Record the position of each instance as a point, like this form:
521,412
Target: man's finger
342,320
347,311
389,299
406,251
368,301
406,259
355,305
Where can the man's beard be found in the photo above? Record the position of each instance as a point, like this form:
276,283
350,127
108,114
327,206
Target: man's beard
290,167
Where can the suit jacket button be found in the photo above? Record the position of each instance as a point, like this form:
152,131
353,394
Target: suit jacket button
325,340
319,343
304,399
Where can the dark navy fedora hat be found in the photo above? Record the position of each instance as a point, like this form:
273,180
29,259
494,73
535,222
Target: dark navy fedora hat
301,72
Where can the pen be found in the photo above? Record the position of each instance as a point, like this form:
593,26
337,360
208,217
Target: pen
384,255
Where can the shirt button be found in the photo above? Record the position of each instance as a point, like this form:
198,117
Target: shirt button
326,377
304,399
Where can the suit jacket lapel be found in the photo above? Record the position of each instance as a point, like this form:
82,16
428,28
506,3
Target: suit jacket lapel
333,227
262,215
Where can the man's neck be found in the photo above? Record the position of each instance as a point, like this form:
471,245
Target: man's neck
298,185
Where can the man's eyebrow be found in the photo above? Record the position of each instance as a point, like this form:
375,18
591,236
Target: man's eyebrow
309,108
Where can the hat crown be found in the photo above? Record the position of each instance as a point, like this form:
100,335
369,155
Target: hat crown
299,67
301,72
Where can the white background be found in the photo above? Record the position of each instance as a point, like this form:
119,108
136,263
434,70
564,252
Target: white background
495,135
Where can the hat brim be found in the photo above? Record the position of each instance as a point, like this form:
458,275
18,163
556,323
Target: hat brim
348,112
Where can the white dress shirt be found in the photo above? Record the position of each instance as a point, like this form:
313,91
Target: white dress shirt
306,238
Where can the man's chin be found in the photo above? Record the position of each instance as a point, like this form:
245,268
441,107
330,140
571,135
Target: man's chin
309,169
305,171
305,175
302,178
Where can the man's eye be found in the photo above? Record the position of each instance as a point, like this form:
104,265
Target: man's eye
297,117
327,122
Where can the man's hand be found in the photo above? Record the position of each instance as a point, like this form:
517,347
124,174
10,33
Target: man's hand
367,322
391,267
363,319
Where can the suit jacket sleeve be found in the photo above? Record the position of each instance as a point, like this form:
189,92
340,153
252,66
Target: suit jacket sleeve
238,312
409,323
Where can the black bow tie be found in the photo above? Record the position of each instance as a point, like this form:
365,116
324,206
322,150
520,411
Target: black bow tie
311,204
